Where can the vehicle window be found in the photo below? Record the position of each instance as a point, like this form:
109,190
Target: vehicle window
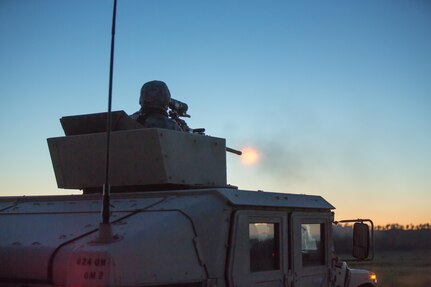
264,246
312,244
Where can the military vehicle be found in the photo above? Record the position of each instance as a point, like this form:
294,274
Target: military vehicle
169,218
174,220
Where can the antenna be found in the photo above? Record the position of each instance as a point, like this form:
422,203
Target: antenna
105,232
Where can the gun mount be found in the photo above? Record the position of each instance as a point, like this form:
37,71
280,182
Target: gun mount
141,158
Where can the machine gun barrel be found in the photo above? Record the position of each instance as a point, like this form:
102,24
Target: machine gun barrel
238,152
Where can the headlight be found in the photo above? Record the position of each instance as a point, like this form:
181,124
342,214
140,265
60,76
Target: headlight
373,277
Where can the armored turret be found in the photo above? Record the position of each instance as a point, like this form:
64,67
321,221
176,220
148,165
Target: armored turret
141,158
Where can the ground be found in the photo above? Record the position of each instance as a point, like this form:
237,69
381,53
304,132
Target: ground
400,268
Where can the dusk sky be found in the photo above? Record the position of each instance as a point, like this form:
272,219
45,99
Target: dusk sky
335,96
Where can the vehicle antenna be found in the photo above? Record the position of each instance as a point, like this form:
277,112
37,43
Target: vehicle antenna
105,232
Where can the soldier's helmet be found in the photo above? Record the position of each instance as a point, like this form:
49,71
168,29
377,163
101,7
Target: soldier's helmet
155,95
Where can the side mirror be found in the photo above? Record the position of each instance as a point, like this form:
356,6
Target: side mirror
361,241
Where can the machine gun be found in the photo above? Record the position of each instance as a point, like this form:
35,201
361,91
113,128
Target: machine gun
179,109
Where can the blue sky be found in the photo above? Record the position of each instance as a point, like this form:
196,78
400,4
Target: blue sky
335,95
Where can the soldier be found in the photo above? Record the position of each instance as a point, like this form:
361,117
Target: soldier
154,101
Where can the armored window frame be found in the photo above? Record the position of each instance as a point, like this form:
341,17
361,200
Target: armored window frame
264,251
313,244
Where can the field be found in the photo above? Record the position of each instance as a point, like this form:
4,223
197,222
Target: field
400,268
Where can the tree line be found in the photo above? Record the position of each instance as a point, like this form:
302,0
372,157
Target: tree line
396,226
390,237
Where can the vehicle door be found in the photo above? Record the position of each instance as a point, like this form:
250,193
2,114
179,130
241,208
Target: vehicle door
311,245
258,250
